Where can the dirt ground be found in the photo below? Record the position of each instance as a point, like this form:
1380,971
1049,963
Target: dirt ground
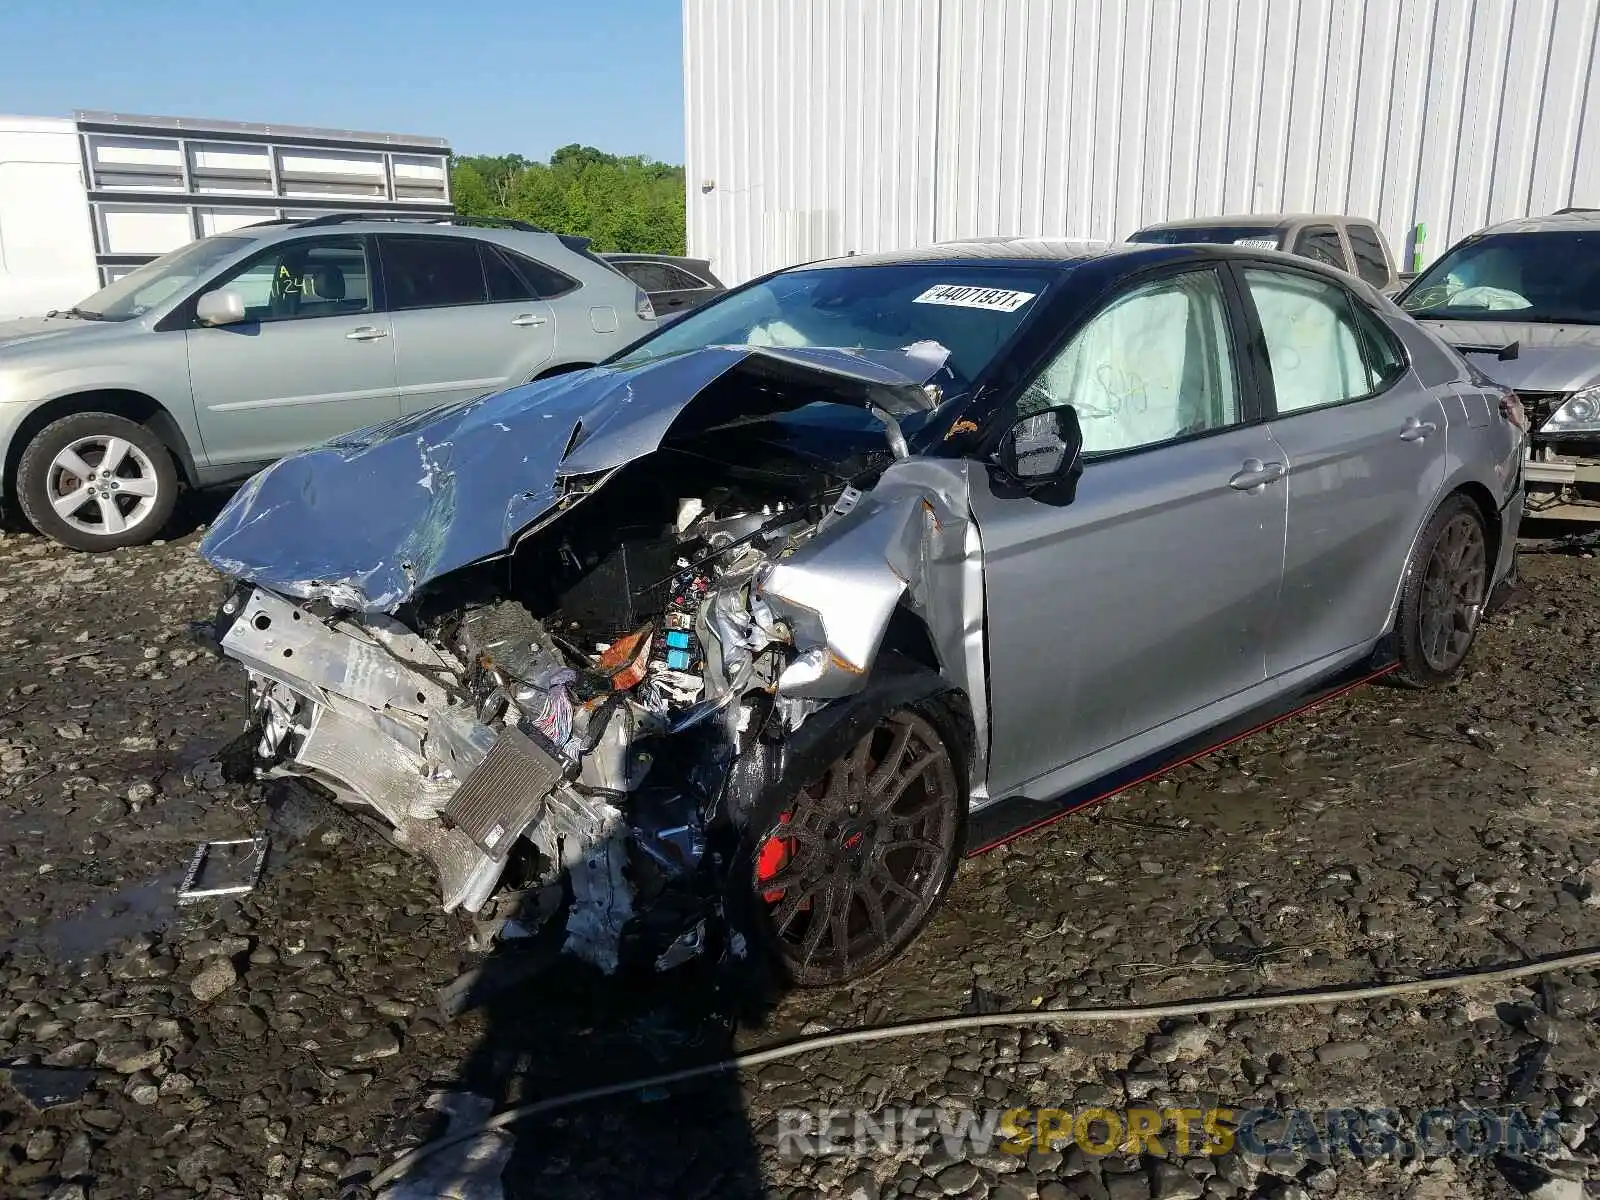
288,1043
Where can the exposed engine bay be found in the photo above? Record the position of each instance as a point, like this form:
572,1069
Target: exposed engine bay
602,704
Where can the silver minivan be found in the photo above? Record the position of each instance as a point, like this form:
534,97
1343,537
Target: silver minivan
235,350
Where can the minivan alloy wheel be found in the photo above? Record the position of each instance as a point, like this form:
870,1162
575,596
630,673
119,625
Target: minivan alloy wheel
102,484
853,868
1453,592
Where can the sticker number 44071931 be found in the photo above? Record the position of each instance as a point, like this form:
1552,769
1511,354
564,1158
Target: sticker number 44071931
969,296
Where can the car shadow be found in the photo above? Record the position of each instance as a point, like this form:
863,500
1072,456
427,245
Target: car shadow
196,509
552,1025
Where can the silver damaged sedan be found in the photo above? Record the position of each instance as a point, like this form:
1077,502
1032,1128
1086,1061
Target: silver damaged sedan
746,636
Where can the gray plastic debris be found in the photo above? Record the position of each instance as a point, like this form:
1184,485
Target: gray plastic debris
469,1171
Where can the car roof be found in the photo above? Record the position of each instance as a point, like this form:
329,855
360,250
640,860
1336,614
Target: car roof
1037,252
1016,251
1090,243
1255,220
282,230
1572,220
1105,261
574,255
630,256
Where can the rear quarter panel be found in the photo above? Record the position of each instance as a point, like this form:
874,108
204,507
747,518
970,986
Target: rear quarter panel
596,321
1483,450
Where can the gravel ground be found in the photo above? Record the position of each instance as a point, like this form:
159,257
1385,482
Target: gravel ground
288,1042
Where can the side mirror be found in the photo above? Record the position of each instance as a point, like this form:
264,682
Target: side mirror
1044,451
220,308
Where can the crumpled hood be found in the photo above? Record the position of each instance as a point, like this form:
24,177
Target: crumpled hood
1550,358
367,519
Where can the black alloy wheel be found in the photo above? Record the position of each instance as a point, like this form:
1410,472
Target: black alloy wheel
852,868
1443,596
1453,592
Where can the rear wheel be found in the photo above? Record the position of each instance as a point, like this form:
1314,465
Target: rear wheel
848,869
1443,595
96,481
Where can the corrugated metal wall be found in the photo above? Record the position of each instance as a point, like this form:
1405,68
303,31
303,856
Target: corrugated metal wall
817,127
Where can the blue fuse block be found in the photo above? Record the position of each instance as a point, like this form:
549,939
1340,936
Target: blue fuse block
679,660
679,639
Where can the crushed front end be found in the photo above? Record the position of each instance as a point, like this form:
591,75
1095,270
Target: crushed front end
489,731
596,704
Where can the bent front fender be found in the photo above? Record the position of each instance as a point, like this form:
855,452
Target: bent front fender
903,542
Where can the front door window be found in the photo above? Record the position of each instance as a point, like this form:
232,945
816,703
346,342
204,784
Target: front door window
1154,366
292,281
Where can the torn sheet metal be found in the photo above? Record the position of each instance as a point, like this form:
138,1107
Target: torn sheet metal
902,543
439,490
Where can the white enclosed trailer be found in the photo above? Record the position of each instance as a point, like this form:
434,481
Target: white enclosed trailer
85,200
827,126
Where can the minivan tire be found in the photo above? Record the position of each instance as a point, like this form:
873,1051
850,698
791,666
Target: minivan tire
1443,595
144,463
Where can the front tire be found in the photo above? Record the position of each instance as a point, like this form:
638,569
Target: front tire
1443,595
847,868
96,481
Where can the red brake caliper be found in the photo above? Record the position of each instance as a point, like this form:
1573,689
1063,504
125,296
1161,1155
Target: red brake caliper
774,856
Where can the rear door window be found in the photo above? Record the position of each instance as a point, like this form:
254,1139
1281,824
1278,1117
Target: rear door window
1320,243
1372,264
1315,342
651,276
505,283
679,280
431,272
546,282
661,277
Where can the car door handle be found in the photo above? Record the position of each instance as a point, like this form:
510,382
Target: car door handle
1415,430
1254,475
367,333
527,319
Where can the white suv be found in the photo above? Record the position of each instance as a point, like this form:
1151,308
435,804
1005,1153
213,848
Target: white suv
237,349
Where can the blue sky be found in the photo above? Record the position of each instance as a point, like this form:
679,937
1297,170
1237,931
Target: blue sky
491,76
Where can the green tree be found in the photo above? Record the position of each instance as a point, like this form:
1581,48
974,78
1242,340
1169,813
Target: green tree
618,202
471,193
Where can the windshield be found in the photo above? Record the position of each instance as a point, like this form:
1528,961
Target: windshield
1542,277
137,292
971,311
1259,236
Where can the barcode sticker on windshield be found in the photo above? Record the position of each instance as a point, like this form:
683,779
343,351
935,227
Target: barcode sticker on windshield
968,296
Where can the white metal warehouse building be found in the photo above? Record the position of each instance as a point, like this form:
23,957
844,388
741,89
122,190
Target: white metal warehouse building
820,127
